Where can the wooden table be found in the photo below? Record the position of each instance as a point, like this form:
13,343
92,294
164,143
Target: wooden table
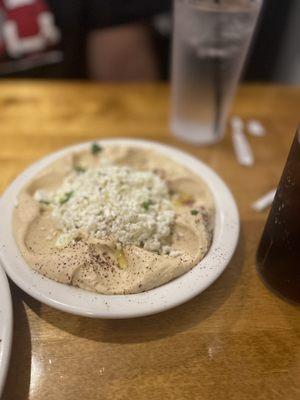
235,341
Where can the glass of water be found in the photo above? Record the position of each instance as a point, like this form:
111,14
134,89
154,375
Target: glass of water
210,42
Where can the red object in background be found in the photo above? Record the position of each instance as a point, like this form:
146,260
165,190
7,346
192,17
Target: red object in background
25,15
28,27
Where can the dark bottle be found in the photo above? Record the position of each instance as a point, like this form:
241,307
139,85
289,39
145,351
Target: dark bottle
278,256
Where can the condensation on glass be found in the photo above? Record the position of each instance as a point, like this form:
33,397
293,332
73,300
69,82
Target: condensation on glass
210,42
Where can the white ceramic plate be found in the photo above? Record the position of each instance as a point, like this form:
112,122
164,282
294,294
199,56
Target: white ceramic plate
5,327
77,301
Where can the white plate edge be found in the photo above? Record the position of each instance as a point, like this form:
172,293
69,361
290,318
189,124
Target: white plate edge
7,331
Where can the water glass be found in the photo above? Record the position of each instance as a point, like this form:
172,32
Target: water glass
210,42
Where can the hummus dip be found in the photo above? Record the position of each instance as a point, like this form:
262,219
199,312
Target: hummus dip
114,220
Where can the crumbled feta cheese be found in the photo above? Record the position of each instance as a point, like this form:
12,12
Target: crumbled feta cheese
41,196
133,207
175,253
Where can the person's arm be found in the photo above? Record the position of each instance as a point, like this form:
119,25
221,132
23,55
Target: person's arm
119,43
122,53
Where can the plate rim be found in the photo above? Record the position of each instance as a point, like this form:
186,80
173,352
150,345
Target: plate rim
131,300
6,330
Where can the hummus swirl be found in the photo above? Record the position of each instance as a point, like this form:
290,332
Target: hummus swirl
99,262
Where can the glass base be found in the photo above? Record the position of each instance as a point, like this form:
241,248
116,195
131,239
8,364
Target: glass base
190,132
279,293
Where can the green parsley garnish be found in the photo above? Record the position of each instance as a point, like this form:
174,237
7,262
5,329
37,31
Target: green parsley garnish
147,204
194,212
95,148
79,169
46,202
66,197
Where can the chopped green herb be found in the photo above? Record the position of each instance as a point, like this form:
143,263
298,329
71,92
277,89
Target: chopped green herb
95,149
66,197
79,169
194,212
44,202
147,204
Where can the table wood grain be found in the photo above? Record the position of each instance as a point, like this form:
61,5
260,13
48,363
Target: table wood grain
235,341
